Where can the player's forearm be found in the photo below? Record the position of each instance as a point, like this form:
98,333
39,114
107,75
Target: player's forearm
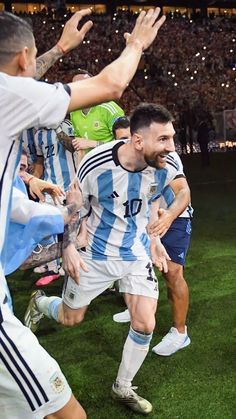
123,68
45,61
71,231
38,168
180,203
69,211
109,83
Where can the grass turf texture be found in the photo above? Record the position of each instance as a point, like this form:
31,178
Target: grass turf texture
197,382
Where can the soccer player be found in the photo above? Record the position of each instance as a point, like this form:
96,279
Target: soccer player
93,126
28,373
175,232
174,229
119,182
57,165
121,128
54,163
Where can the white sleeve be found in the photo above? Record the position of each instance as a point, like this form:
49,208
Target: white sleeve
23,209
174,167
31,103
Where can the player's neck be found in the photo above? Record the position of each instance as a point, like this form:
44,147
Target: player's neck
86,111
130,159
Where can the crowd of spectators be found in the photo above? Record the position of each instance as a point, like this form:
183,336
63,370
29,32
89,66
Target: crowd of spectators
191,67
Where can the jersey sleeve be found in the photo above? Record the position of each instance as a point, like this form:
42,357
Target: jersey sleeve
39,104
174,167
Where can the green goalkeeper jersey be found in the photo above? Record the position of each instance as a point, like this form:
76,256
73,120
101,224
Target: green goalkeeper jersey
97,124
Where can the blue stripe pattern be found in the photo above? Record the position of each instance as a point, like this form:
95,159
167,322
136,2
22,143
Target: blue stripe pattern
133,194
3,251
139,338
93,162
101,235
62,154
160,178
168,195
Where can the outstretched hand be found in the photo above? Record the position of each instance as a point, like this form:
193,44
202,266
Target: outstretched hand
159,255
71,37
146,28
162,224
37,188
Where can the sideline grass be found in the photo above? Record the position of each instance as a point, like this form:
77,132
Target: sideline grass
199,381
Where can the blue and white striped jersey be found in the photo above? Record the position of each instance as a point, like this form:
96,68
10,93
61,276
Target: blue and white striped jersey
27,139
168,195
24,104
59,164
118,202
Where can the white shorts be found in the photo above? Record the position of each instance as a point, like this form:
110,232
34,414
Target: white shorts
135,277
31,382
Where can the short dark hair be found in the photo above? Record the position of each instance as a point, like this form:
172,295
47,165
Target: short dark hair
15,34
147,113
120,122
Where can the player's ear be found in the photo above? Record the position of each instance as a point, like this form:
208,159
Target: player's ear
23,59
137,141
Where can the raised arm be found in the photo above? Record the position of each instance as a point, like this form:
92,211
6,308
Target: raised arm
71,37
112,80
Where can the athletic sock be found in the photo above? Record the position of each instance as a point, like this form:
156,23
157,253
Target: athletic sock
134,353
49,306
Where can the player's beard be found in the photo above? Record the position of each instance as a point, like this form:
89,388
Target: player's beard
155,161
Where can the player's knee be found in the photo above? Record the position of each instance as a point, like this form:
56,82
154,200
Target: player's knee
73,319
146,325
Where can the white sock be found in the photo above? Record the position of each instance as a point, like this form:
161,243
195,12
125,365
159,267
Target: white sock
49,306
134,353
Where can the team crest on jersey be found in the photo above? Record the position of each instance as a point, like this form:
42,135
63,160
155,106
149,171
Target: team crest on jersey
152,190
96,124
57,383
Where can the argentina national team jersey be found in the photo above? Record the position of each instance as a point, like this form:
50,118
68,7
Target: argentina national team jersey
59,164
118,202
27,139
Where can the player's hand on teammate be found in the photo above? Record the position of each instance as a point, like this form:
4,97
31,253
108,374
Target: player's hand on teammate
38,187
80,143
159,255
162,224
146,28
82,237
72,262
74,194
72,36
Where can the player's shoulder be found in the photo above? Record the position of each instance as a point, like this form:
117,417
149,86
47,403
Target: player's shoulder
22,86
111,107
67,127
173,161
96,158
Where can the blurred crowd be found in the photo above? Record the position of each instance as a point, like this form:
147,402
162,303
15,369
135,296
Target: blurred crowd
191,68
